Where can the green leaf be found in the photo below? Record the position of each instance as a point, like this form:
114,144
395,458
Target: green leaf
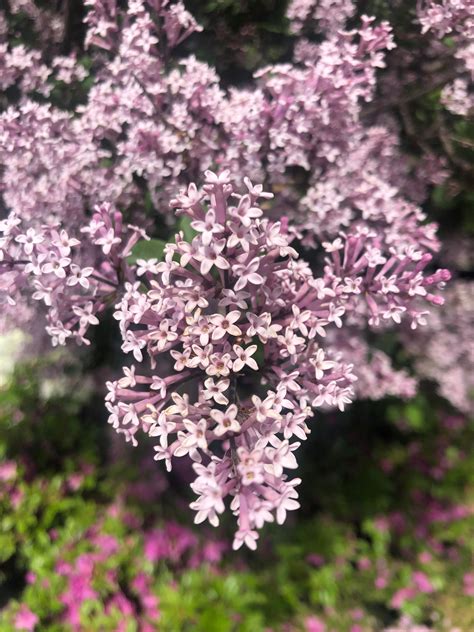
147,249
259,355
184,224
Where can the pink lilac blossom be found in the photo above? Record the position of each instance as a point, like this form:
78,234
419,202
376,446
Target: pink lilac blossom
376,377
210,306
23,67
150,116
444,351
72,280
453,18
104,15
303,114
168,125
329,15
47,25
237,307
365,187
457,98
447,16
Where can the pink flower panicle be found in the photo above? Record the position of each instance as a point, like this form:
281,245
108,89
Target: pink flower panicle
233,308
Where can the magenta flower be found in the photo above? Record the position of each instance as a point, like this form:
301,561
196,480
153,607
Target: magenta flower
25,619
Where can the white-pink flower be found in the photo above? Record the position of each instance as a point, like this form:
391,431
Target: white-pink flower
244,358
226,421
225,324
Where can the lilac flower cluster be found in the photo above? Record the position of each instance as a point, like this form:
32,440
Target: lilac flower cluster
376,376
327,15
168,124
454,18
236,316
303,114
447,16
438,354
73,280
232,312
152,116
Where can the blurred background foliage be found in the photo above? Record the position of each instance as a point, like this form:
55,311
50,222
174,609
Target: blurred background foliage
387,510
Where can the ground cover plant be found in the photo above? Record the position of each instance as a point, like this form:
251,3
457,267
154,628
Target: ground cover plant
384,542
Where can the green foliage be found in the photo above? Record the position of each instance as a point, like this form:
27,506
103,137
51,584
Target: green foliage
58,493
155,248
240,35
148,249
212,603
184,225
